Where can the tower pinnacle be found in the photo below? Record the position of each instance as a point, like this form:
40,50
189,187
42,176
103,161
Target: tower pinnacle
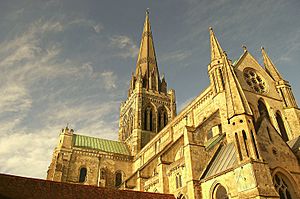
216,50
236,100
270,67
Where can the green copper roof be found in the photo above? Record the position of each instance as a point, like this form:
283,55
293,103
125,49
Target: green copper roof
225,158
213,141
100,144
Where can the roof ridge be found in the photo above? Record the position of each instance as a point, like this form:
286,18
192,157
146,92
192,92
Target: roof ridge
98,138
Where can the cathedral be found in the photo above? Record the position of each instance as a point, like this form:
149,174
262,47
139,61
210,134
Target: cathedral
238,139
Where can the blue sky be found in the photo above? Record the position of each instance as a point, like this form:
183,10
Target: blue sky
69,61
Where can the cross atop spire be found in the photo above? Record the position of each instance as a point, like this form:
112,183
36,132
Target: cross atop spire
270,67
216,50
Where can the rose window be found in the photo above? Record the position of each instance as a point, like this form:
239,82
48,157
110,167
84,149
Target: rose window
255,81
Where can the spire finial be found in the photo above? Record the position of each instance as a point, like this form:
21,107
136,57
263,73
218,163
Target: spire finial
245,48
147,11
216,50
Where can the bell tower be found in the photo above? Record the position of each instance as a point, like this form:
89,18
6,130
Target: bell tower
149,105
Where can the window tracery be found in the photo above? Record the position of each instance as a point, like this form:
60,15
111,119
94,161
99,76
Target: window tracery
283,186
255,80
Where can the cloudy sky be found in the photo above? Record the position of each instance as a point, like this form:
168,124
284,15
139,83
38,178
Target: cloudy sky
69,61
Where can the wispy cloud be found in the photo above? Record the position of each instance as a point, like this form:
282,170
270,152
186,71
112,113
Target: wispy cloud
109,79
33,72
86,117
98,28
176,56
127,48
31,150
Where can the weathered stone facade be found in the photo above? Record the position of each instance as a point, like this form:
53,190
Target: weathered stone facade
238,139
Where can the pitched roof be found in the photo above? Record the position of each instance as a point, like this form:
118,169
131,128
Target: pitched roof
213,141
110,146
16,187
224,159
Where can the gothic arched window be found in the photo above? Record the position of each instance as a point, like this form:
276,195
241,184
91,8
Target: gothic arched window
82,174
281,127
283,186
148,119
220,192
118,179
178,181
162,118
263,111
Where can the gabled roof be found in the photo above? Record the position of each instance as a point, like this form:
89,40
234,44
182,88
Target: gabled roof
16,187
110,146
224,159
239,59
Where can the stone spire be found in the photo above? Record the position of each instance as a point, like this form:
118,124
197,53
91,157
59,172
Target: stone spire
270,67
216,50
235,98
215,68
146,61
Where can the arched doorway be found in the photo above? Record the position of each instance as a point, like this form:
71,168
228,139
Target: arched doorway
283,186
220,192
